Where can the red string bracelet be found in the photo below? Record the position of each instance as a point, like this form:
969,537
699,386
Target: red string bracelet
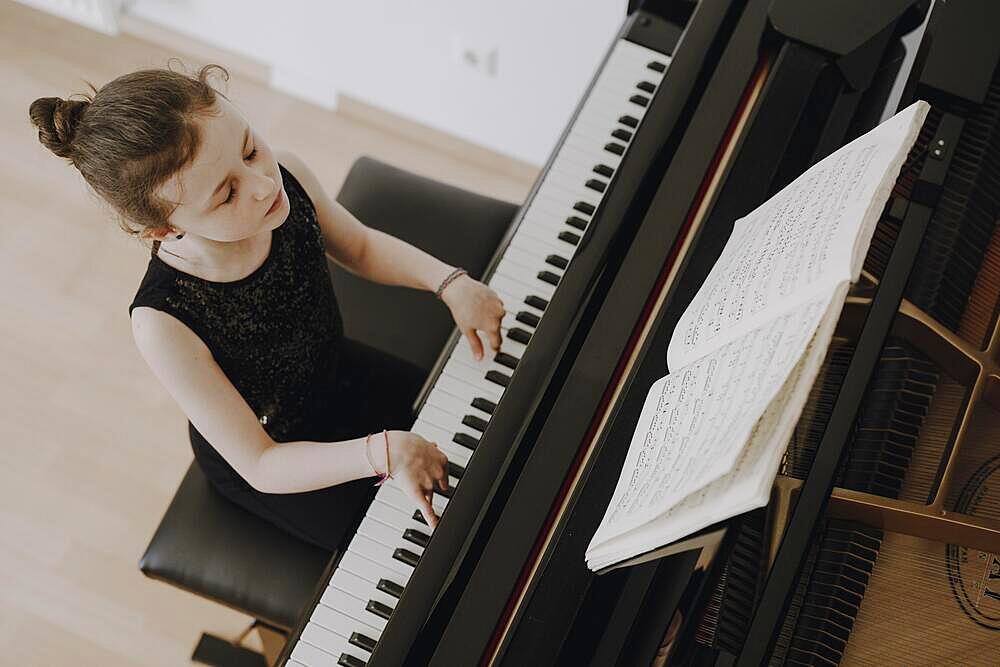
368,454
383,476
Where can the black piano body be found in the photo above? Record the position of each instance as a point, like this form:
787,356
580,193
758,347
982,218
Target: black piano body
757,91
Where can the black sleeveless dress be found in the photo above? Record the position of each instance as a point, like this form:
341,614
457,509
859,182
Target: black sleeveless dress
278,336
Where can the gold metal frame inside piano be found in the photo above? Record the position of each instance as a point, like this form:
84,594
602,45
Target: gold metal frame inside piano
978,368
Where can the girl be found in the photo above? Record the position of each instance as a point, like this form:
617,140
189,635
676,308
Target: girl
236,315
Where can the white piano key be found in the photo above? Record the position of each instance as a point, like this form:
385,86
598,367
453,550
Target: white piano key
456,405
368,569
328,642
394,494
399,519
341,623
360,588
379,553
347,604
306,653
458,387
385,535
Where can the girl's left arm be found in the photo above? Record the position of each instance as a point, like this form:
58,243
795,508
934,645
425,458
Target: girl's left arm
383,258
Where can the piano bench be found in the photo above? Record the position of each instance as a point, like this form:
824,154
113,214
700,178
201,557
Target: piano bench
211,547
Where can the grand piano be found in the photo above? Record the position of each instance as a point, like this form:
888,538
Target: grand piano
880,543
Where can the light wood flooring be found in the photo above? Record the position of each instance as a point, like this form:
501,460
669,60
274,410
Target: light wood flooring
92,446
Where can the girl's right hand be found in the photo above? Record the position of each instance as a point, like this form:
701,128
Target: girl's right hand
418,466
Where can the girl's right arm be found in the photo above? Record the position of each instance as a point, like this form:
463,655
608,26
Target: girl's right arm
185,366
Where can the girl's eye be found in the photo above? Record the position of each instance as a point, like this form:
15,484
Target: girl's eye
232,191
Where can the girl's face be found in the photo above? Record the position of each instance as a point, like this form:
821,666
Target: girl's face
227,190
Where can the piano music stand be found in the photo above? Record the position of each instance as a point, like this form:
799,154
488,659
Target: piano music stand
211,547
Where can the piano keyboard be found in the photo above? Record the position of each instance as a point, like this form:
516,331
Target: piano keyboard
347,622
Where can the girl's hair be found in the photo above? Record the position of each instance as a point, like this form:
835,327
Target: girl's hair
130,137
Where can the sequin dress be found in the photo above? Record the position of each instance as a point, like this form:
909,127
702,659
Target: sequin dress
278,336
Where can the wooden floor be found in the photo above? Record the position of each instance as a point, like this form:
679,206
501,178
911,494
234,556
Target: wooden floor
92,446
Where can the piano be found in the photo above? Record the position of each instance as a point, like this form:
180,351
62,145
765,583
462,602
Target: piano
886,507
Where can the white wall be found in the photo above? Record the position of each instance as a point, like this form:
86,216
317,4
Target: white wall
401,56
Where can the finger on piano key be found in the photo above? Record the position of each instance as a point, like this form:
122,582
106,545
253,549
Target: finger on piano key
455,452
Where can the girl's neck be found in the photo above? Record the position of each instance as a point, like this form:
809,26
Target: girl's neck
217,261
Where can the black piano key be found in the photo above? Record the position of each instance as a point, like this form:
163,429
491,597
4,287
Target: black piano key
417,516
656,66
548,276
577,222
348,660
518,334
629,121
645,86
406,556
584,207
641,100
624,135
569,237
447,493
530,319
418,538
498,378
596,185
379,609
465,439
536,302
615,148
390,587
474,422
363,641
508,360
484,405
559,262
455,470
604,170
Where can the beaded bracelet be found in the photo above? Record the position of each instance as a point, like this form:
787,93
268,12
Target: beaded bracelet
444,283
383,476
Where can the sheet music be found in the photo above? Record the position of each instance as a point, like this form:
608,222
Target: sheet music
745,486
806,239
696,422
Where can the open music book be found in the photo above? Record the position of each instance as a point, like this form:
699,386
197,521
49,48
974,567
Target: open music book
747,350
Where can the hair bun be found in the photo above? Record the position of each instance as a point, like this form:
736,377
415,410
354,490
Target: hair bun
57,120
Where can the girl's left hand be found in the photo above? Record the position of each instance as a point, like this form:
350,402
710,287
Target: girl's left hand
474,306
